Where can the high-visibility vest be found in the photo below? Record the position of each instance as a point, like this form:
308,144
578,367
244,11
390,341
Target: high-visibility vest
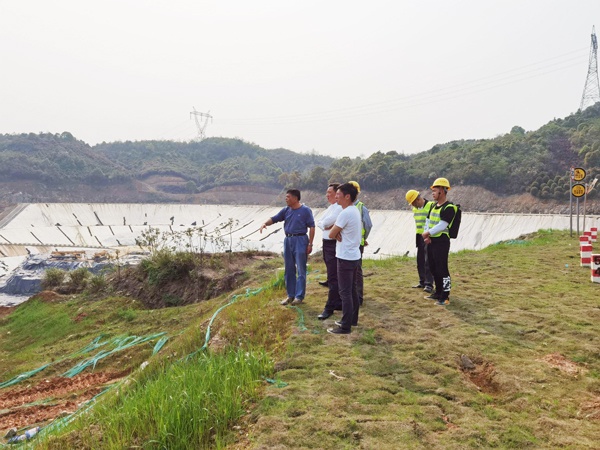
421,215
434,218
360,205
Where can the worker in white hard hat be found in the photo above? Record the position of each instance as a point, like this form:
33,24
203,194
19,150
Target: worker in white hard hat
437,238
421,207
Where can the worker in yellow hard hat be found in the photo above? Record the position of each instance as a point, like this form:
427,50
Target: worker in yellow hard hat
437,238
421,207
367,225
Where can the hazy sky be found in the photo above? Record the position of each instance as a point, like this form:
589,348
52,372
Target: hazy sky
337,77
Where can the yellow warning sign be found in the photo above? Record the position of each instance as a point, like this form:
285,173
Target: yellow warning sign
579,174
578,190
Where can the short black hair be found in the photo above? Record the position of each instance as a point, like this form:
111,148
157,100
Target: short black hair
335,186
348,188
294,192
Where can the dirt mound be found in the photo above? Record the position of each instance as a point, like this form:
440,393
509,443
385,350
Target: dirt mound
217,274
48,296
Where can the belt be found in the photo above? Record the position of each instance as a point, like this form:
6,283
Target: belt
294,234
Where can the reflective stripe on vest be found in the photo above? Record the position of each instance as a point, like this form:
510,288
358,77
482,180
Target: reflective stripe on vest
421,216
360,205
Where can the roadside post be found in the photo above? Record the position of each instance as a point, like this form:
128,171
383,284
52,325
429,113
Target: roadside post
577,190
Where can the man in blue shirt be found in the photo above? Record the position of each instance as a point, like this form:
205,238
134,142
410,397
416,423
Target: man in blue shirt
296,218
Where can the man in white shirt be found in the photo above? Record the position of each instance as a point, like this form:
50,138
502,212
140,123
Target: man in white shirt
347,231
326,223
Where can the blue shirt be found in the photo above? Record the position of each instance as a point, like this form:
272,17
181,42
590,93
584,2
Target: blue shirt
295,221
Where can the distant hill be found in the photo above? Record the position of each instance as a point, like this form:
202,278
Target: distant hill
59,167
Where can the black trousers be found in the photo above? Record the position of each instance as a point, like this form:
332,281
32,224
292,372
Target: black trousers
346,282
359,277
437,256
425,276
334,302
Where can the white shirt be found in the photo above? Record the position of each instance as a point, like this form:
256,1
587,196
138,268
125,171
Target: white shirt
350,222
328,219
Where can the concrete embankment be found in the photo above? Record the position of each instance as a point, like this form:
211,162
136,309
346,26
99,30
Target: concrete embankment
39,227
31,229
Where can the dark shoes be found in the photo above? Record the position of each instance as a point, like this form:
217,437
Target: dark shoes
324,315
339,323
443,302
418,286
432,297
428,289
324,283
338,330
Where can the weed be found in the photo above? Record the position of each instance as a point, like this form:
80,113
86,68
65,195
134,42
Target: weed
172,300
210,391
127,315
368,337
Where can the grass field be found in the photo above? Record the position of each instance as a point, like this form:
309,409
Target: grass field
512,362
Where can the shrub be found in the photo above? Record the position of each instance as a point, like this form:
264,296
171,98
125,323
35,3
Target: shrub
97,283
165,265
78,278
53,277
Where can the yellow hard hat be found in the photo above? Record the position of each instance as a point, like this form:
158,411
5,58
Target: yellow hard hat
441,182
411,196
356,185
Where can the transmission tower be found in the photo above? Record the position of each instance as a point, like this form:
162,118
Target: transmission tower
201,122
591,91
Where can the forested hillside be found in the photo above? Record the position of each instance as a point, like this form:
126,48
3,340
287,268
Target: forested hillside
535,162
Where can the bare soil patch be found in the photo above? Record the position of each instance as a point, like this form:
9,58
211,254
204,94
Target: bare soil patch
5,310
591,409
561,363
481,374
47,399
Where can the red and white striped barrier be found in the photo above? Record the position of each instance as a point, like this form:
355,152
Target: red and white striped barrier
595,265
594,231
585,248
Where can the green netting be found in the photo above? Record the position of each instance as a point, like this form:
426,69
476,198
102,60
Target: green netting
300,318
276,383
162,341
22,376
120,343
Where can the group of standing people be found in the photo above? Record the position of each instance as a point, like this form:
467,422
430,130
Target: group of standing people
346,225
433,219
